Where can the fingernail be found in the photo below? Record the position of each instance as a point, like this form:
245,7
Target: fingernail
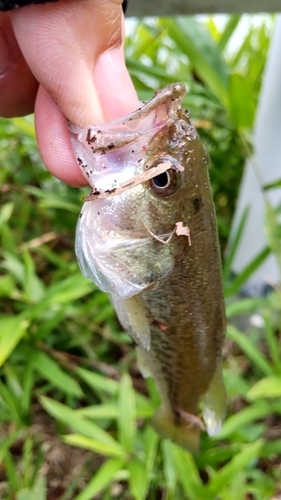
112,81
5,54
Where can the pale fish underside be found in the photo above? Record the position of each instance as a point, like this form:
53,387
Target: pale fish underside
149,178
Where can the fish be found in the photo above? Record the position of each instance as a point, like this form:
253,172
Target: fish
147,235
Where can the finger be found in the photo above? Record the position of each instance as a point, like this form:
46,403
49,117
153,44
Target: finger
54,142
18,86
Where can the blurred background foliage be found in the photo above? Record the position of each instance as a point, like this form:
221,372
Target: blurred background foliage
74,410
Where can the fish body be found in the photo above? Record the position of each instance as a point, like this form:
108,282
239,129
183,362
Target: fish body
153,246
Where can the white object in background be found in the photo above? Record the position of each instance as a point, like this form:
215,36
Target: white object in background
267,156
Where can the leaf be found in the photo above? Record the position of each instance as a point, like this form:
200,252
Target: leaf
272,343
50,370
7,443
102,411
228,31
273,232
80,424
151,440
269,387
127,414
249,414
6,212
234,244
272,185
241,101
226,474
7,286
217,455
102,478
188,474
52,200
10,468
137,479
193,39
98,382
71,288
250,350
38,492
246,305
169,466
33,286
25,126
245,274
90,444
27,385
12,329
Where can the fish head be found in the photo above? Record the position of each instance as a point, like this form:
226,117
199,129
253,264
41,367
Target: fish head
147,171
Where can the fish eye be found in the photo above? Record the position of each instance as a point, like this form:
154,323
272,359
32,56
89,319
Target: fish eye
165,184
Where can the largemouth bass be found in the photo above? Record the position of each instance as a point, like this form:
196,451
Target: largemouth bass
147,235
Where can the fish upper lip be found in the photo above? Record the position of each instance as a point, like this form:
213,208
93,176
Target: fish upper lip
101,137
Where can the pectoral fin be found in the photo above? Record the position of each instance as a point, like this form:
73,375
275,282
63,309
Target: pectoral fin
131,315
143,368
214,404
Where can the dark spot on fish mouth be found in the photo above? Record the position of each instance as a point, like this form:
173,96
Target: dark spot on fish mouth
95,193
110,190
111,146
197,203
88,138
80,215
79,161
93,139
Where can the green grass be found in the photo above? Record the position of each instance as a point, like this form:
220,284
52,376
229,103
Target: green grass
69,378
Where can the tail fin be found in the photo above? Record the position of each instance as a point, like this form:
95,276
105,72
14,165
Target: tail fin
188,437
214,404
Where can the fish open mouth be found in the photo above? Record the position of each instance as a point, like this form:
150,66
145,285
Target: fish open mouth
111,155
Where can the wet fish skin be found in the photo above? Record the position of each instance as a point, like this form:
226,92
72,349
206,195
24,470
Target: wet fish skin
180,310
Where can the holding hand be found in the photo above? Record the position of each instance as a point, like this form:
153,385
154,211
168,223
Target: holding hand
66,57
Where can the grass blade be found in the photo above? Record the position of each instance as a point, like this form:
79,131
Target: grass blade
12,329
246,273
103,478
50,370
234,244
188,474
269,387
80,424
228,31
226,474
193,39
127,414
250,350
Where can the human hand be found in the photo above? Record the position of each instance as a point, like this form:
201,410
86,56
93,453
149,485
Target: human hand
67,58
